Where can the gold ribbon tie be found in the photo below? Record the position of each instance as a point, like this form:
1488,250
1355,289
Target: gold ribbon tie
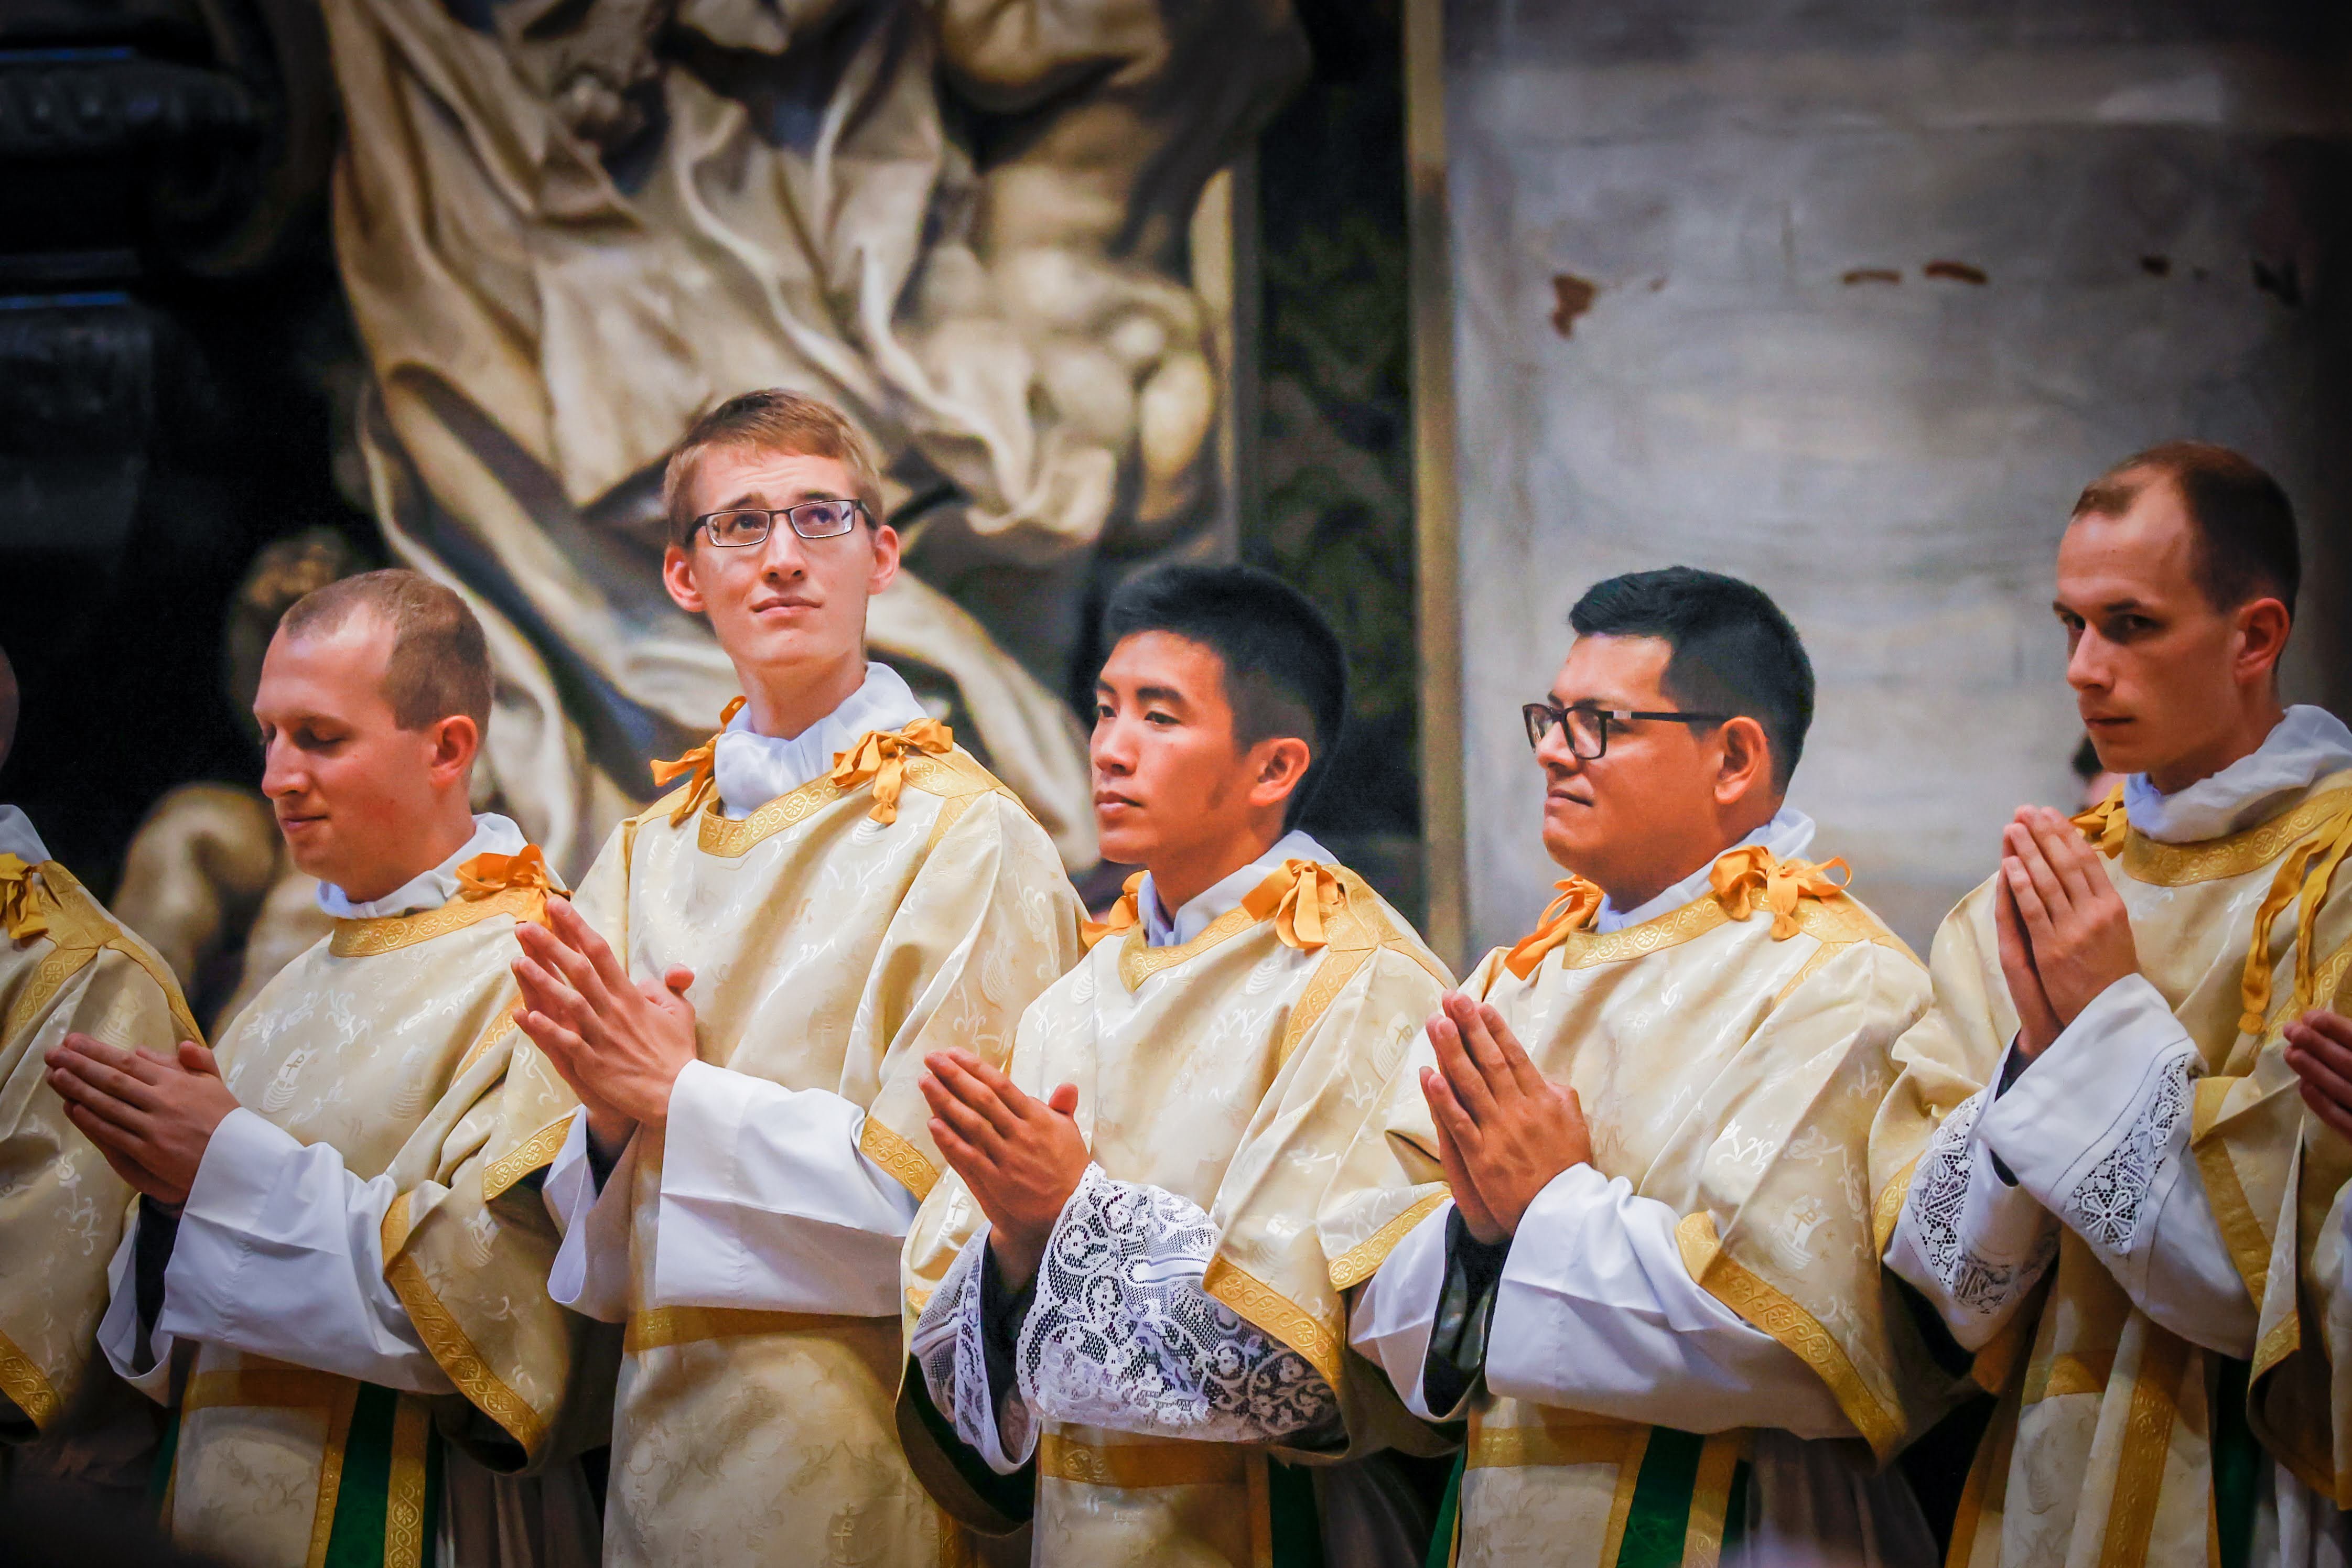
2306,874
1300,899
701,763
2104,824
1752,873
881,755
25,904
485,876
1570,912
1122,916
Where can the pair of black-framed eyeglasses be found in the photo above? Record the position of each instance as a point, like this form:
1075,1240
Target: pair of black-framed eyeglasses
742,527
1587,727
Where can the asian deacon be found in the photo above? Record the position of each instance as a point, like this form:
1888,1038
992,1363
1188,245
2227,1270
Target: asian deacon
742,999
2096,1164
1116,1297
1618,1220
67,967
354,1335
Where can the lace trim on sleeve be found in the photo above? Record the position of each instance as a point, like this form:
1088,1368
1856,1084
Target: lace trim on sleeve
2106,1206
1979,1286
948,1349
1123,1336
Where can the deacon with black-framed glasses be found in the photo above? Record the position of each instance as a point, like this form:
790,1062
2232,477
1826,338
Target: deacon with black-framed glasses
1617,1216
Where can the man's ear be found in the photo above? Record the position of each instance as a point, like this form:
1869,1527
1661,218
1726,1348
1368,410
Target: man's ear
456,741
2262,626
678,576
1746,763
1278,766
886,558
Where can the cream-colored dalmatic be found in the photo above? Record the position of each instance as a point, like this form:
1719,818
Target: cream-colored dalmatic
904,903
1223,1078
65,968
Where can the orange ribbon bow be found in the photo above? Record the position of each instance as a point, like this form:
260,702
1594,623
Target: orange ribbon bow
881,755
485,876
2104,824
1742,876
1571,912
701,762
1123,915
1299,898
24,904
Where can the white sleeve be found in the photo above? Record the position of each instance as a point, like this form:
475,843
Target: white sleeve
1396,1311
591,1272
2097,1130
280,1253
948,1347
1122,1336
118,1330
1970,1242
1597,1312
766,1202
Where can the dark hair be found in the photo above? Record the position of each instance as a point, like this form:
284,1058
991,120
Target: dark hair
440,663
1284,674
2246,548
1734,652
773,421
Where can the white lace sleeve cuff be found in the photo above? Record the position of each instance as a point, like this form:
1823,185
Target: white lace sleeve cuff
1122,1336
948,1350
1970,1242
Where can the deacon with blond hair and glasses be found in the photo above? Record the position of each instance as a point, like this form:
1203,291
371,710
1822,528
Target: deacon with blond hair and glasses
731,1022
2095,1166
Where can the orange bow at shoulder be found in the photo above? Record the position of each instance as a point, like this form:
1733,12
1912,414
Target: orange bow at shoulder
23,902
1122,916
1300,899
1571,912
881,755
1751,873
485,876
2104,824
701,763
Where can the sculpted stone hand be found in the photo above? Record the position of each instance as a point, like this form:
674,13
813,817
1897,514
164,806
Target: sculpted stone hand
2037,1020
150,1114
1022,1156
2074,918
620,1046
2319,1049
1511,1130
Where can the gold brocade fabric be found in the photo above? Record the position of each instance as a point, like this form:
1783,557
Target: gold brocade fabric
2099,1453
390,1040
831,951
64,968
1731,1074
1234,1070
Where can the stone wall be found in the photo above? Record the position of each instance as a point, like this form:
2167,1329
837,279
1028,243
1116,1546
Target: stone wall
1850,300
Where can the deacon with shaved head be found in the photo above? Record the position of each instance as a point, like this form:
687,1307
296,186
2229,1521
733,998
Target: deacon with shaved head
349,1328
66,966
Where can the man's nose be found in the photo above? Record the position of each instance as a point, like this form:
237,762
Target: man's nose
780,554
280,775
2088,664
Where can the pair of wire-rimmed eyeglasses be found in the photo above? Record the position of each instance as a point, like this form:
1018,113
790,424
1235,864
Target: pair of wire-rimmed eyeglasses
1587,727
742,527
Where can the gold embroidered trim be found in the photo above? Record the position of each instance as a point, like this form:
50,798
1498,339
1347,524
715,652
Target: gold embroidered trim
26,1384
382,933
1563,1438
501,1022
2148,1436
1766,1308
1888,1210
79,930
1361,1261
2063,1374
1718,1461
1268,1309
540,1149
403,1505
2240,1228
1585,949
2286,1337
894,1154
2216,859
1137,963
285,1388
1621,1506
330,1472
1139,1466
446,1340
1323,988
666,1326
948,776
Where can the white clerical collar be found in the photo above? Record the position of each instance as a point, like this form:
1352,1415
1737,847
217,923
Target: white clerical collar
751,770
17,837
493,835
1787,835
2305,747
1193,916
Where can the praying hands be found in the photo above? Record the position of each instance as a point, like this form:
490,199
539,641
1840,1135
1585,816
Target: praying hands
2063,933
150,1114
1021,1156
1503,1131
620,1046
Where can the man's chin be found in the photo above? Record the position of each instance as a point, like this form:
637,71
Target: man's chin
1126,841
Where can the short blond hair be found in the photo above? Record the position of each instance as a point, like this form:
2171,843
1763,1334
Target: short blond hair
772,420
440,662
